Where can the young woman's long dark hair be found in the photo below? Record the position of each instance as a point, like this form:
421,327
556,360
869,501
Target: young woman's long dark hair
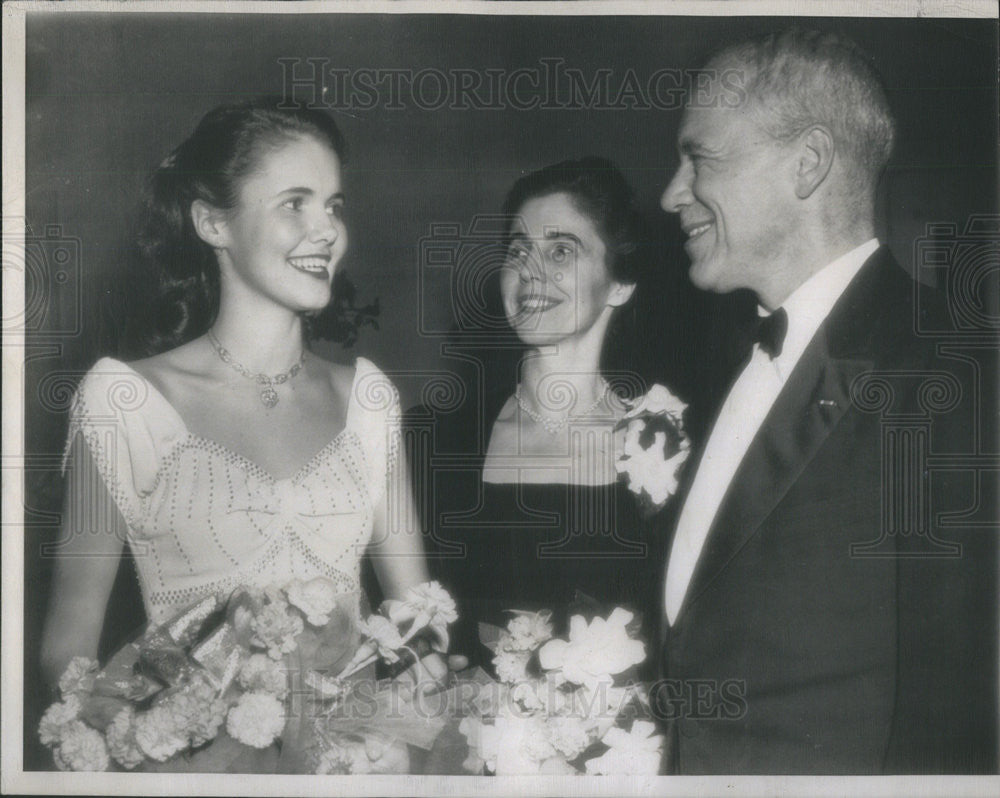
178,273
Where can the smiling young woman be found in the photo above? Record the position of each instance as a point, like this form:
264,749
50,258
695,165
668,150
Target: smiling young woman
234,456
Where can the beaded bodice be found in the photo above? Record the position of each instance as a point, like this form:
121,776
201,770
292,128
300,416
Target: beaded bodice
203,519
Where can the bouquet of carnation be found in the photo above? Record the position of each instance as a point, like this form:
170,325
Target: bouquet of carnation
558,707
266,680
656,446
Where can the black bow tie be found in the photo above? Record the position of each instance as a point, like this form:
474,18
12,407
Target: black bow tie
769,332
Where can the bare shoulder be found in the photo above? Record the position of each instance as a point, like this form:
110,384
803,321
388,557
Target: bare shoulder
174,369
340,376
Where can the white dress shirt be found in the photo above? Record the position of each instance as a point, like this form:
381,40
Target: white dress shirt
748,403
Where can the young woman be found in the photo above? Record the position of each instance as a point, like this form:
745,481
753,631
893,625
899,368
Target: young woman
534,515
234,456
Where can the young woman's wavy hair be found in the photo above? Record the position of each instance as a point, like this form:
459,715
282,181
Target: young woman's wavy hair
177,266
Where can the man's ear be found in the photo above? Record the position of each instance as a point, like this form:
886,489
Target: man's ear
815,159
209,223
620,294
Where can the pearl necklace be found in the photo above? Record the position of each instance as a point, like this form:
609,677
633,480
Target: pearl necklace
552,425
268,396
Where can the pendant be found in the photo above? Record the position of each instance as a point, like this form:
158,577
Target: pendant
269,397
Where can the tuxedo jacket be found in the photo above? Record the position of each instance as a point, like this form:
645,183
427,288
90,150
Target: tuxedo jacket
842,616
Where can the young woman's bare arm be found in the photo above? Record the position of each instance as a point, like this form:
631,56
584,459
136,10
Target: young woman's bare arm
86,562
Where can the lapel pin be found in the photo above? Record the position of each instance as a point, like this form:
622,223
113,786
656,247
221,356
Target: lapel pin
827,403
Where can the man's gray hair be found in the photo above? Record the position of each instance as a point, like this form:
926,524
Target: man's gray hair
797,79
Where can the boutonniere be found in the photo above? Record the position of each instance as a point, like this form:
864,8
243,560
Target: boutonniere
655,448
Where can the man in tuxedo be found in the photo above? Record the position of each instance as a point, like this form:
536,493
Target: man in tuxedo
817,617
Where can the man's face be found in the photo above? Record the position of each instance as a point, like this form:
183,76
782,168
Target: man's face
734,191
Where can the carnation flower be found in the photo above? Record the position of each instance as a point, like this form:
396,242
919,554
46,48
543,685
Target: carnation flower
526,631
384,634
337,761
158,733
262,674
521,746
78,677
81,748
316,598
121,740
595,651
199,711
569,736
426,606
276,629
633,753
511,666
56,718
256,720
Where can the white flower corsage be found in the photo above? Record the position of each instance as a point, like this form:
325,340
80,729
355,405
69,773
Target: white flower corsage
656,446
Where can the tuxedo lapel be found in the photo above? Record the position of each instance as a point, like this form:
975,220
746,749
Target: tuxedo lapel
809,407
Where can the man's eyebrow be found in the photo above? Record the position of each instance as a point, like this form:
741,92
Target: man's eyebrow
689,146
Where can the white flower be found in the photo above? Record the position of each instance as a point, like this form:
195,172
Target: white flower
569,736
317,598
526,631
262,674
425,606
511,666
158,733
434,600
521,746
81,748
658,400
256,720
56,718
633,753
646,468
78,677
276,629
527,695
595,651
483,740
199,711
384,634
121,740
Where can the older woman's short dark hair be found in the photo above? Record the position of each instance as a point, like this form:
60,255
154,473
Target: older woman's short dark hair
601,192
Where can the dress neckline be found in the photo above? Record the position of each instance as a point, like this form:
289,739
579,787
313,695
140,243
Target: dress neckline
253,465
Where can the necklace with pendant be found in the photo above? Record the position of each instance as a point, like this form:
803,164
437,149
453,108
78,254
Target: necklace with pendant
268,396
553,424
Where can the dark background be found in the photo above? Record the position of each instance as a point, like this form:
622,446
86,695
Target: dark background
108,96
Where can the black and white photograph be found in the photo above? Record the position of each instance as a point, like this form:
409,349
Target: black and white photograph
544,398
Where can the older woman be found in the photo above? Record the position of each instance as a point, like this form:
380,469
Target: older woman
524,504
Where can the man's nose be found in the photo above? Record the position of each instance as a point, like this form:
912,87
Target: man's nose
678,192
